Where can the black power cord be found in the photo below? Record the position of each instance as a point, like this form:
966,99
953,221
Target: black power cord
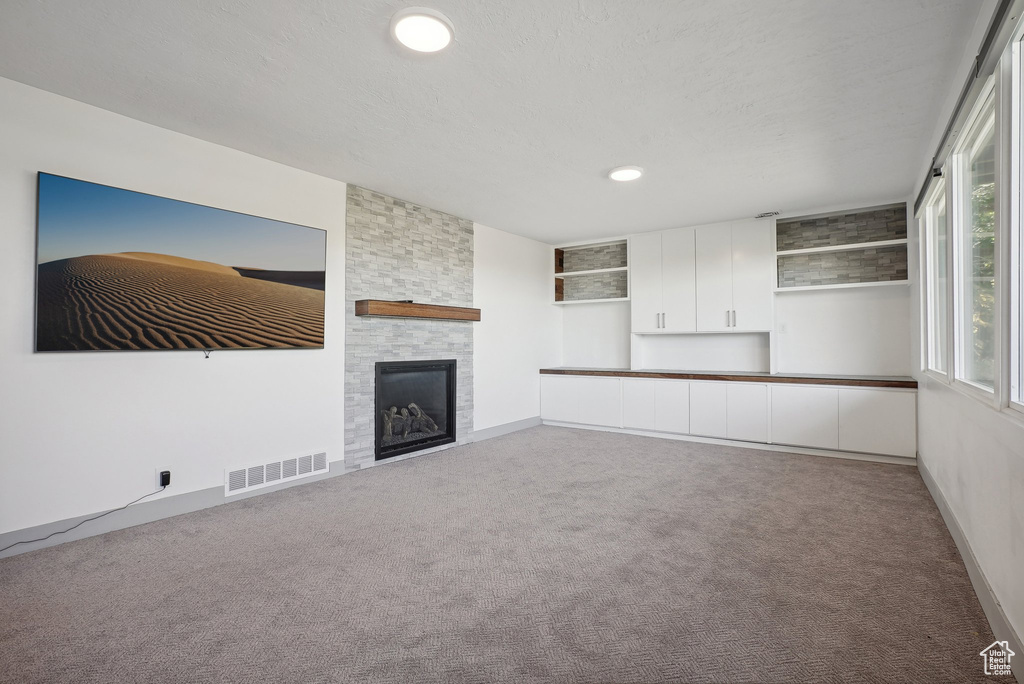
95,517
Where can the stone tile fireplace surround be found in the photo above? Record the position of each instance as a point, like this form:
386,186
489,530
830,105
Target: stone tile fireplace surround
398,250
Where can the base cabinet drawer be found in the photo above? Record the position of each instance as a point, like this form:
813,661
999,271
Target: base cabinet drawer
878,422
805,416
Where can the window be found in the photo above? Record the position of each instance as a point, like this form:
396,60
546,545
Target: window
1016,275
936,284
976,254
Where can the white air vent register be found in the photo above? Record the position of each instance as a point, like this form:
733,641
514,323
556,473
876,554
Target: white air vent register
245,479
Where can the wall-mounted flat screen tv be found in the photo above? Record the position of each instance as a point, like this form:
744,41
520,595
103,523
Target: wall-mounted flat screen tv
122,270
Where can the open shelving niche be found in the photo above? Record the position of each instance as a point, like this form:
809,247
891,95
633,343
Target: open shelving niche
592,272
835,227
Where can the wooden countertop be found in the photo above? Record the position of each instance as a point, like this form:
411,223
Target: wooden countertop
898,381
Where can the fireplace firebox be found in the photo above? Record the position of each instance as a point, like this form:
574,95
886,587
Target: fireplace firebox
415,406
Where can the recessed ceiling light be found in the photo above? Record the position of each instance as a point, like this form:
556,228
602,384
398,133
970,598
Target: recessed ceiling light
422,29
625,173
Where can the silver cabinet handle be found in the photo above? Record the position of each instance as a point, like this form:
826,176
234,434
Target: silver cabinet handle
727,324
734,318
662,320
657,320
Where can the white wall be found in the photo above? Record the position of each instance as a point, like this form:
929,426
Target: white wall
741,352
976,457
596,335
856,331
86,432
520,330
974,453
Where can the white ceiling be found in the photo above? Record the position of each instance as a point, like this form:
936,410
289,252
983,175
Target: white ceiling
732,106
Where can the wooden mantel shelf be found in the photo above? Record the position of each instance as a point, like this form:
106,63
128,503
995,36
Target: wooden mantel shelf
379,307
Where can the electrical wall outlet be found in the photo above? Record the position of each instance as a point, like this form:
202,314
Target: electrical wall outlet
165,478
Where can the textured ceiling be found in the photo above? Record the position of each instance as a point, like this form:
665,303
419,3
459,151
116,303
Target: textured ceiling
732,106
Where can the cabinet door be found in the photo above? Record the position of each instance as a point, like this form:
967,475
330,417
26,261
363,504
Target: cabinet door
672,406
753,274
679,280
714,277
559,398
747,412
645,282
805,416
878,422
600,401
638,404
708,409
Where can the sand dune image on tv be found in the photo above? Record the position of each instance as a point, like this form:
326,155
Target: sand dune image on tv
122,270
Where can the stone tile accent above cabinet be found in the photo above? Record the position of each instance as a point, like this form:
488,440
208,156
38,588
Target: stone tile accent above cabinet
842,248
875,264
593,258
849,228
596,286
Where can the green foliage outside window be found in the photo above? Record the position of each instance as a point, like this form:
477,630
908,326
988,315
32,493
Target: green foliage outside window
982,351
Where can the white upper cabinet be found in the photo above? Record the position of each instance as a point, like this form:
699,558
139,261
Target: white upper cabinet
679,310
645,282
734,276
714,277
663,287
753,275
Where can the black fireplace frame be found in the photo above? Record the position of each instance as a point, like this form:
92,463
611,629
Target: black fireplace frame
449,436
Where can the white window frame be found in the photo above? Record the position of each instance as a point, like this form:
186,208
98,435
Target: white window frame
1012,258
926,222
961,214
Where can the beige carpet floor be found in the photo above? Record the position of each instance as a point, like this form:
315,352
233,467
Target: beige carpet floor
548,555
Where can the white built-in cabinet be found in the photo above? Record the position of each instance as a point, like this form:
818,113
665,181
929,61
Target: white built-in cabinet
663,283
874,421
662,405
708,416
715,278
735,276
730,410
855,419
590,401
805,416
747,411
878,421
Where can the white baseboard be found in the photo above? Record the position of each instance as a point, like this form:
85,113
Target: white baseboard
760,446
499,430
1001,626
